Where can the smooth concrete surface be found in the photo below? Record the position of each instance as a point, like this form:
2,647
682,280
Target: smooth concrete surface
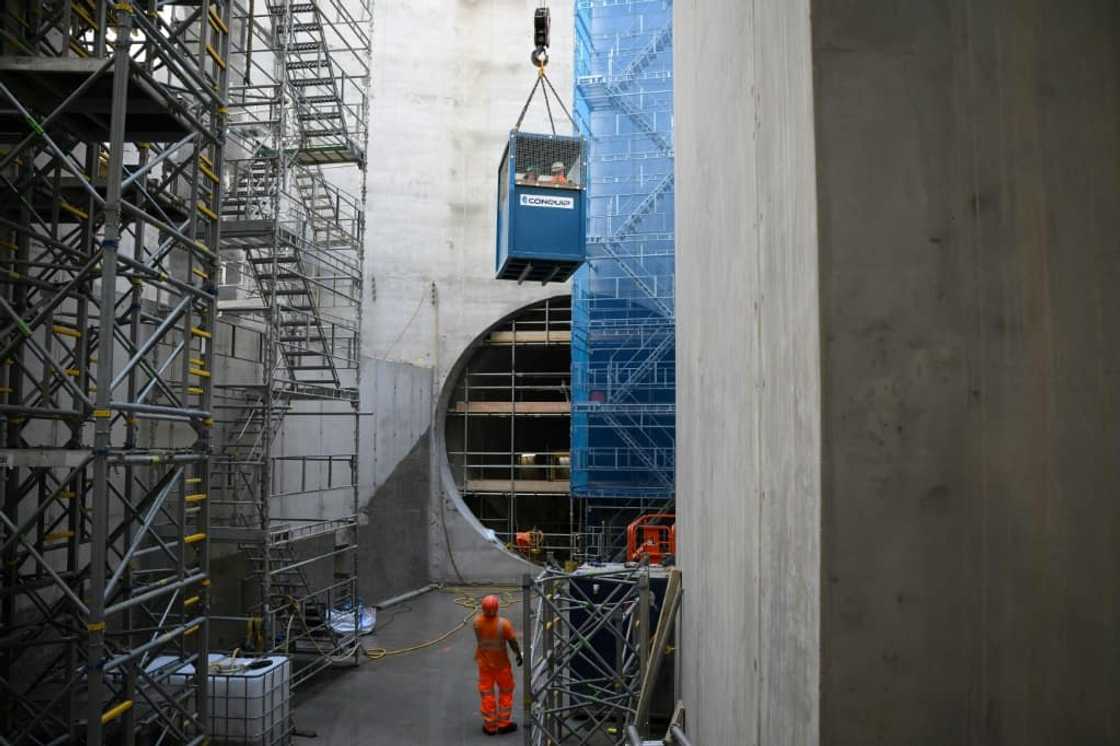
395,479
969,182
967,169
426,697
748,437
393,536
396,406
449,80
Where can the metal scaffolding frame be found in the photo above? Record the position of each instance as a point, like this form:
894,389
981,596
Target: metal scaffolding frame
587,656
292,277
112,133
623,319
494,480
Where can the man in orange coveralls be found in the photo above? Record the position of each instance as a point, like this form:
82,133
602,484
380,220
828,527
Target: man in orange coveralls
492,633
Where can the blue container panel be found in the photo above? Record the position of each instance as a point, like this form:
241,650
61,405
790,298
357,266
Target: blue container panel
541,229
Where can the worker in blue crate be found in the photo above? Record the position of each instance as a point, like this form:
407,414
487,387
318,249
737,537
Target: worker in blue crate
559,178
493,633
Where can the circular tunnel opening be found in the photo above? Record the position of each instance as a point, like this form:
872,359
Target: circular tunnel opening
507,431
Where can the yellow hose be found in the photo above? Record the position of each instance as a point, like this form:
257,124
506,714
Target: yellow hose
463,598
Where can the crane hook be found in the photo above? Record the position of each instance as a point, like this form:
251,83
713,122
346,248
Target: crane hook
542,26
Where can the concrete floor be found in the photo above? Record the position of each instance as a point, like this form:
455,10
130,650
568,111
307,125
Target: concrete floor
426,697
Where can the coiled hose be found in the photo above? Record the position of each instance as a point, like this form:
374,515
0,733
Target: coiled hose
464,598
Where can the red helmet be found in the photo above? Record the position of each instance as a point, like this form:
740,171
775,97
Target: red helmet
490,606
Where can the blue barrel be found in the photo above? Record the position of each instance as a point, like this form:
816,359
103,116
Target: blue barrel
542,210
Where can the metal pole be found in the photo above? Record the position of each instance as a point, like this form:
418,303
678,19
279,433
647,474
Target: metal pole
643,632
528,654
95,622
678,735
512,434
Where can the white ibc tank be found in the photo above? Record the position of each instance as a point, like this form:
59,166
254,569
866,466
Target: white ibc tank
250,698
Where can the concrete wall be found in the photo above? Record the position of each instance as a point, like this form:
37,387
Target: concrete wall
748,438
449,82
969,188
395,478
968,201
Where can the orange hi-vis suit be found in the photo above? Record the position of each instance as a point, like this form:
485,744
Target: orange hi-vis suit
492,633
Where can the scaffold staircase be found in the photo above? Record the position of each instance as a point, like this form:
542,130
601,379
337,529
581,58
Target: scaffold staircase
321,110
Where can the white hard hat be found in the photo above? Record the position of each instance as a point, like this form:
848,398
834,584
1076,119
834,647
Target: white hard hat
558,166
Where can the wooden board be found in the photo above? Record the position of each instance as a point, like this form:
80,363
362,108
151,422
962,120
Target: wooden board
557,487
505,407
552,337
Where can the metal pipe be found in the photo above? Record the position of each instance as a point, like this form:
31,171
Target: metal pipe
120,660
401,598
62,586
157,160
138,539
632,736
169,412
678,736
156,593
153,339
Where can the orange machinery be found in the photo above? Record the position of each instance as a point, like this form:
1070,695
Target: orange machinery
529,543
653,535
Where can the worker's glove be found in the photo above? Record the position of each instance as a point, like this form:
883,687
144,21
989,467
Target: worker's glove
520,660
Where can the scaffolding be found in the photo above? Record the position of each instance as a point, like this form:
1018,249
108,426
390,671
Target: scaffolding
594,659
291,289
508,428
112,133
623,321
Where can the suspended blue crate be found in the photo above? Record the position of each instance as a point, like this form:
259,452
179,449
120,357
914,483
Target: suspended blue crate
542,212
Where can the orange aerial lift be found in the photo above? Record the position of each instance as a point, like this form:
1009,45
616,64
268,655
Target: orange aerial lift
654,536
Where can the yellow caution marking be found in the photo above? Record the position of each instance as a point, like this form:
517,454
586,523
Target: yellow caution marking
207,211
102,413
215,56
189,602
200,372
194,538
75,211
209,174
113,713
196,390
190,630
58,535
198,361
81,13
196,497
65,331
198,332
96,626
217,22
